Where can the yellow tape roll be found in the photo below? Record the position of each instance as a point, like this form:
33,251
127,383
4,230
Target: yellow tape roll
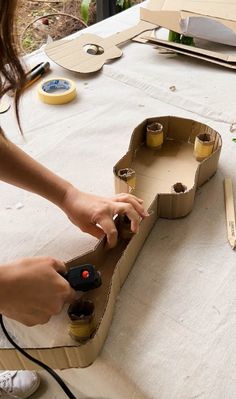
82,319
154,135
57,91
203,146
154,140
81,330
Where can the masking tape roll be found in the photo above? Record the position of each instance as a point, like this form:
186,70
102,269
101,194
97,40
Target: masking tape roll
154,135
203,146
57,91
81,331
82,319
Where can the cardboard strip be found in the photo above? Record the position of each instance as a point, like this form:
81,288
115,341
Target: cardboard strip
228,61
227,58
230,212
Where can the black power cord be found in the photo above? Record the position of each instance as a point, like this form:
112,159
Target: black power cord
81,278
38,362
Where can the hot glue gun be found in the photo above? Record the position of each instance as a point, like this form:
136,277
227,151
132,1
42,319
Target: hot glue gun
83,277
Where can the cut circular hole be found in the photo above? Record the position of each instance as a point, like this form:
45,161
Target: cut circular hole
179,188
56,86
155,127
93,49
124,227
204,137
126,173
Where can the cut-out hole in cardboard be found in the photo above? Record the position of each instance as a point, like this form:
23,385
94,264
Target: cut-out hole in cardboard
204,137
179,188
93,49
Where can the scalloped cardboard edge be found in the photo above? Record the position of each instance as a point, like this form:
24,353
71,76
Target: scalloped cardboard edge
168,205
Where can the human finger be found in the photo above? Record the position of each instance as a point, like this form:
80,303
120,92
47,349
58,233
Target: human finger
71,296
134,217
130,195
109,228
58,265
131,199
94,230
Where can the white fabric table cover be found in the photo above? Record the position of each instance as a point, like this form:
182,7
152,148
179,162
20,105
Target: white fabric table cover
174,328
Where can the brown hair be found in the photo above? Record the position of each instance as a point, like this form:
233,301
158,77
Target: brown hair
12,75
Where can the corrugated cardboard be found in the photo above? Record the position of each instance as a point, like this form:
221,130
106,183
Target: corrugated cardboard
225,60
225,9
170,13
157,172
73,54
76,54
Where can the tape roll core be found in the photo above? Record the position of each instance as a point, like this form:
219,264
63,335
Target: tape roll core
57,91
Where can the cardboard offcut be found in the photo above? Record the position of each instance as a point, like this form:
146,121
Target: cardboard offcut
166,179
211,20
88,53
230,212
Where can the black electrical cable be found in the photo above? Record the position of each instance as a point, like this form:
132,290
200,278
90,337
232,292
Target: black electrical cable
38,362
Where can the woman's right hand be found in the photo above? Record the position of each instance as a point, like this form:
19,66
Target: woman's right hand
32,290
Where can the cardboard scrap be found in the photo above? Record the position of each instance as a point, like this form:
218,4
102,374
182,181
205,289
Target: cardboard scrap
225,9
230,212
75,54
167,180
225,60
211,20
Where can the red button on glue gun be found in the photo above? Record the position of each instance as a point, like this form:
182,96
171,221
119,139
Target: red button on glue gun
83,277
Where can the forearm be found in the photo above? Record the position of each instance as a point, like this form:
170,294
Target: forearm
4,288
19,169
91,213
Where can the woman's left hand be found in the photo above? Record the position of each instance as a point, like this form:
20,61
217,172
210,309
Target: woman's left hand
94,214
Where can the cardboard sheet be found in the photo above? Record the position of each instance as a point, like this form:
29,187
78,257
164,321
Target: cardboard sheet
214,8
219,58
204,20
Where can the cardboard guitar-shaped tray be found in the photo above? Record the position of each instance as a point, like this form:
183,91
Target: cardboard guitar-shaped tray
167,160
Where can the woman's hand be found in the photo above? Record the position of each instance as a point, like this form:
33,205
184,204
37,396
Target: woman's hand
94,214
32,290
